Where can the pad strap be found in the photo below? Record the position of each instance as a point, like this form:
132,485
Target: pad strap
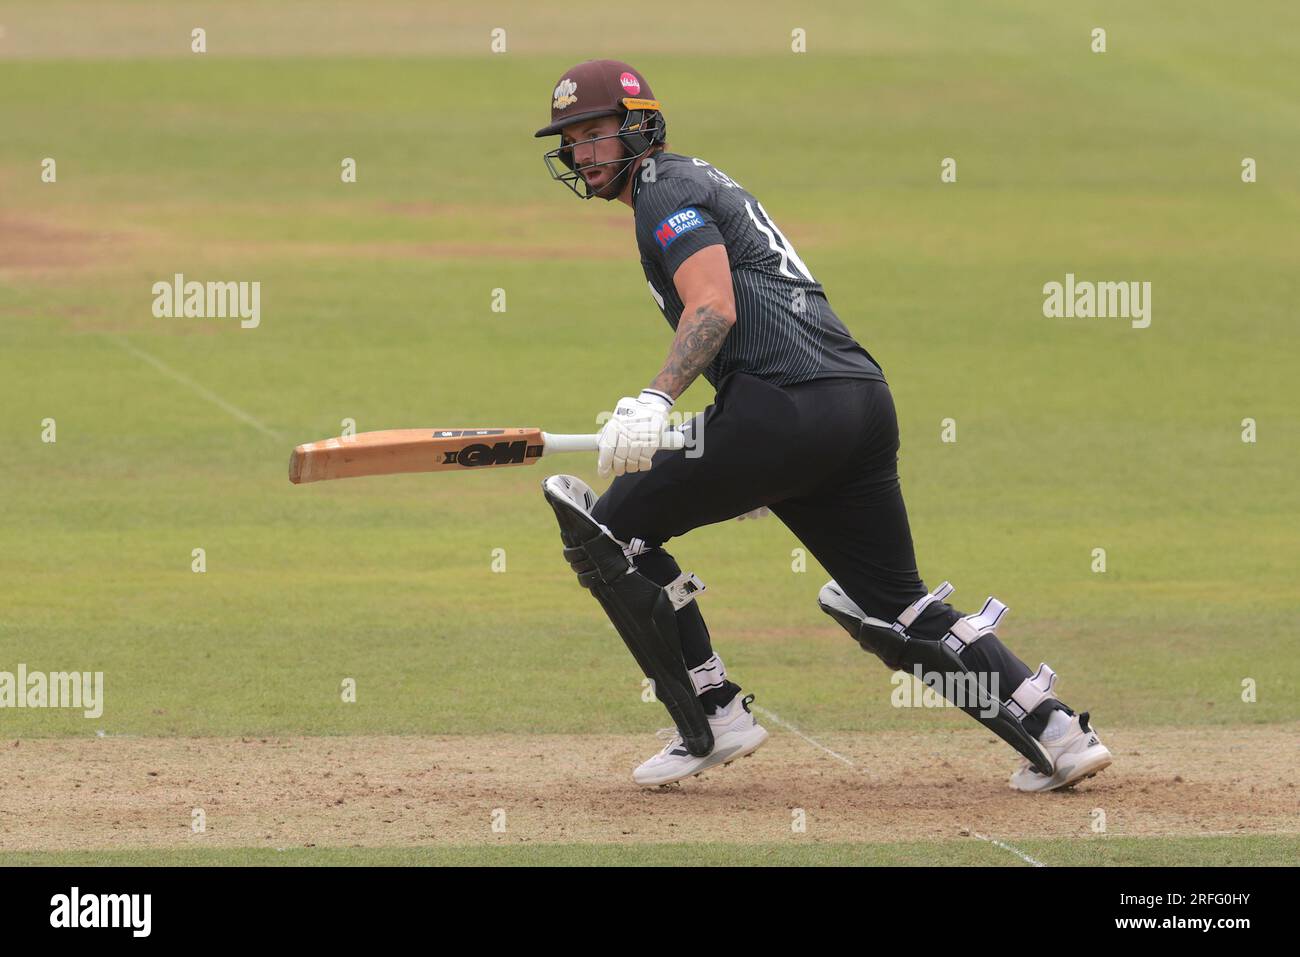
633,548
963,631
709,675
966,630
913,611
1032,692
683,590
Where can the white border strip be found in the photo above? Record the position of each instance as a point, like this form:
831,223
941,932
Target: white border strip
186,381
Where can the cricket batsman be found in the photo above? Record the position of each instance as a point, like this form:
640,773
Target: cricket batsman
802,424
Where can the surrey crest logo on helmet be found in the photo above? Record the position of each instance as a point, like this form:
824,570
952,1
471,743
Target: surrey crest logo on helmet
565,94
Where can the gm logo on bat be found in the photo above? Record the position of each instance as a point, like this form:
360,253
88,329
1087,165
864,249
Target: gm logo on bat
501,453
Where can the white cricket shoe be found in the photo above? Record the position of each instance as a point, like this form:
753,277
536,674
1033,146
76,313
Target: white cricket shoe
1076,754
735,734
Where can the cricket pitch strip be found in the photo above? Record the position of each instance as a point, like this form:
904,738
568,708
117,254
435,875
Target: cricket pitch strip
372,791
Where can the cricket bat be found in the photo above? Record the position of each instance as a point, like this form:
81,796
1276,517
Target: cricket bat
395,451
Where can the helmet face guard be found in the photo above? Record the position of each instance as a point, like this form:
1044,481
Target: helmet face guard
642,129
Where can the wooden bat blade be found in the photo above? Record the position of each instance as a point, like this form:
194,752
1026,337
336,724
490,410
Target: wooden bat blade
413,450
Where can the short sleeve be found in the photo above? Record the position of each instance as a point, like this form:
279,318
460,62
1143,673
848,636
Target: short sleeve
674,221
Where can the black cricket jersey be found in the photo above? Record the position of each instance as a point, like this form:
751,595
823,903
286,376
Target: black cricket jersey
785,331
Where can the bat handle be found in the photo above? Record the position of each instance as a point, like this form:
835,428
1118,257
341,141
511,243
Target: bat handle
551,442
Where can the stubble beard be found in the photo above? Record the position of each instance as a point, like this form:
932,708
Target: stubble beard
612,189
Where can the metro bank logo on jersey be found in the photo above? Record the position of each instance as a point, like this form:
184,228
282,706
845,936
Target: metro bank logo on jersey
682,221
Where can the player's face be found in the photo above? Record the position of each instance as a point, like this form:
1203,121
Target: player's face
586,152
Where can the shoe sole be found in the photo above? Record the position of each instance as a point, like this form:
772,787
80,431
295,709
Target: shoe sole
1089,765
742,750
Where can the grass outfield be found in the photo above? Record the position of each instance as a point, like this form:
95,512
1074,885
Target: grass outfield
173,434
1258,850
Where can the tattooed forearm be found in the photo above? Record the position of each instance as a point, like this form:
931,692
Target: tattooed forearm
699,337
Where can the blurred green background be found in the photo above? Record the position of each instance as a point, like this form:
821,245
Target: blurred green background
1072,434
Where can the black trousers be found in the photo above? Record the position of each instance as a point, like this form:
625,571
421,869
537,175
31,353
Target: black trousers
823,456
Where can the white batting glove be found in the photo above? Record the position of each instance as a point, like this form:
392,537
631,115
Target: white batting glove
634,433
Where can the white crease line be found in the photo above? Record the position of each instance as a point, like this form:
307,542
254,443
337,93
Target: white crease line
1007,847
201,390
791,728
839,757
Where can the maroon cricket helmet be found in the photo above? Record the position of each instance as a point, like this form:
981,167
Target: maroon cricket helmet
598,88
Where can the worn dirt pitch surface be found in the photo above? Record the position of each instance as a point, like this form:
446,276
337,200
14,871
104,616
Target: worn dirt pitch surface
122,792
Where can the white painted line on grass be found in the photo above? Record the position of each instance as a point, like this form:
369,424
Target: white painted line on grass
1007,847
203,391
775,719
